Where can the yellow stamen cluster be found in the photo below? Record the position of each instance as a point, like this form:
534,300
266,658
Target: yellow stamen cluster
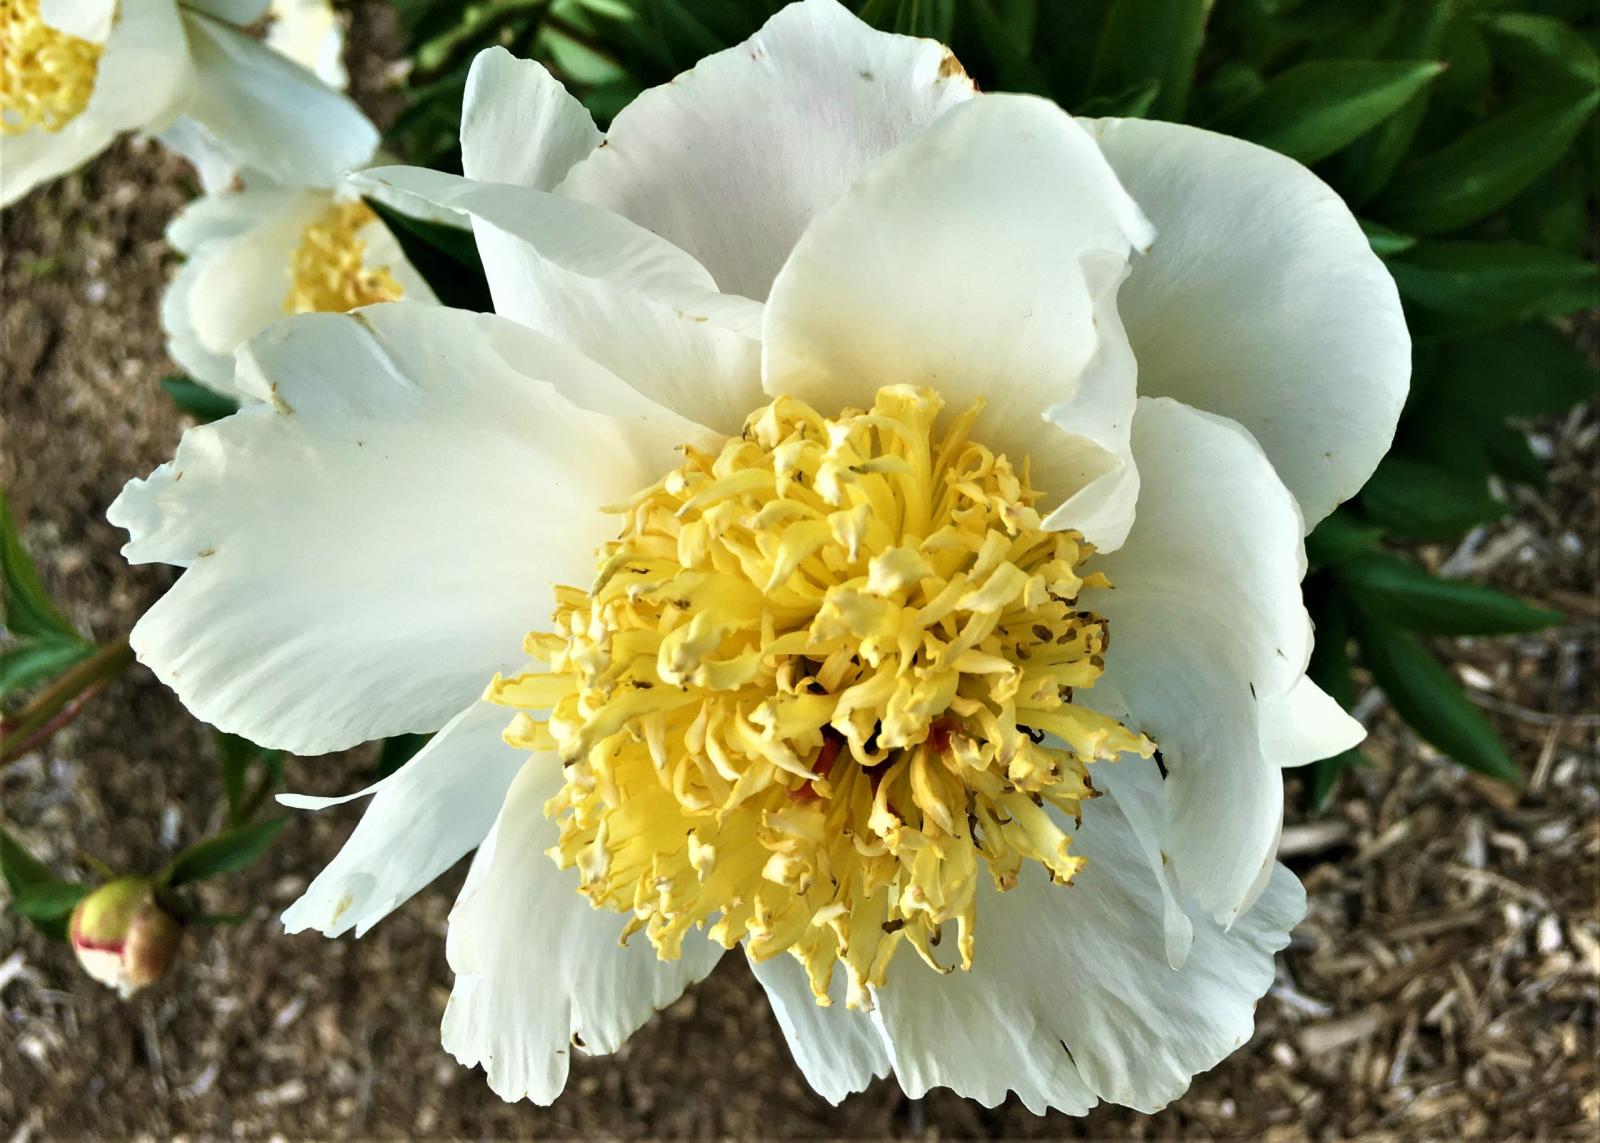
46,76
330,270
822,676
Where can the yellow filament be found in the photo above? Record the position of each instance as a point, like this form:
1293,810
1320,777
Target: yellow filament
823,680
330,270
46,76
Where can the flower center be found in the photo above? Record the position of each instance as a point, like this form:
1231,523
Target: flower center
46,76
330,270
822,678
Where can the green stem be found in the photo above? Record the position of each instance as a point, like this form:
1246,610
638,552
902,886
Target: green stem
56,705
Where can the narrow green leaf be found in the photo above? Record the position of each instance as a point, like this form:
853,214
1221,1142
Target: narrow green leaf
1000,45
21,869
1150,44
1316,109
25,610
230,850
1543,49
1339,537
34,661
36,893
1362,169
1325,775
1476,285
1386,243
1529,371
1486,168
1423,501
203,404
48,901
1511,456
1407,596
1133,103
238,757
445,256
1430,700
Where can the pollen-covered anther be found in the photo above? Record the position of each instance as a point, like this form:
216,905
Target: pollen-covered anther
330,272
821,684
47,76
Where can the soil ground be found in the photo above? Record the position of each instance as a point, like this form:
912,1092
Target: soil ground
1445,984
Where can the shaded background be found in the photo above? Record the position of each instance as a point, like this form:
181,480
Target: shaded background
1445,983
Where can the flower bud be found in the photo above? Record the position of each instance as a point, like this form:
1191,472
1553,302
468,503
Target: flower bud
122,935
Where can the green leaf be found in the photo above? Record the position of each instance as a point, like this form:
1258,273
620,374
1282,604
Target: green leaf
999,45
1316,109
1133,103
1486,168
445,256
399,750
1424,501
1325,775
25,610
1150,45
238,757
1386,243
1510,455
1339,537
1477,285
36,893
932,19
1543,49
1363,169
203,404
230,850
33,661
1430,700
1405,595
1529,371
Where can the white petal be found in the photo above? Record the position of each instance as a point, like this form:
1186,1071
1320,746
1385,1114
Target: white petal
90,20
369,544
1071,1000
539,973
143,69
1306,724
423,818
839,1051
269,113
1263,302
630,300
982,258
241,12
1207,624
309,32
519,125
732,160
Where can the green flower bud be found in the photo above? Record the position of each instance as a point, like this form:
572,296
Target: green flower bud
123,936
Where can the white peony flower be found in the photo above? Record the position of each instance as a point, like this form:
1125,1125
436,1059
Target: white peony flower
78,73
258,254
841,692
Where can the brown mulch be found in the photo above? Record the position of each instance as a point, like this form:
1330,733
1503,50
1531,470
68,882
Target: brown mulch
1444,986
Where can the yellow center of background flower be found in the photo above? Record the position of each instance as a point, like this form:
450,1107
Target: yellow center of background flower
822,684
46,76
330,270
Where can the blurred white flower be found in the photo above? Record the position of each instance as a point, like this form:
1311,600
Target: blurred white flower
256,255
78,73
309,32
842,685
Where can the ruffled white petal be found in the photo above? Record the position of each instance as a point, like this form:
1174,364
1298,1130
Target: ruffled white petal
519,125
369,544
1264,302
982,258
143,70
90,20
539,973
1306,724
309,33
269,114
839,1051
629,299
1207,625
1071,999
423,818
732,160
